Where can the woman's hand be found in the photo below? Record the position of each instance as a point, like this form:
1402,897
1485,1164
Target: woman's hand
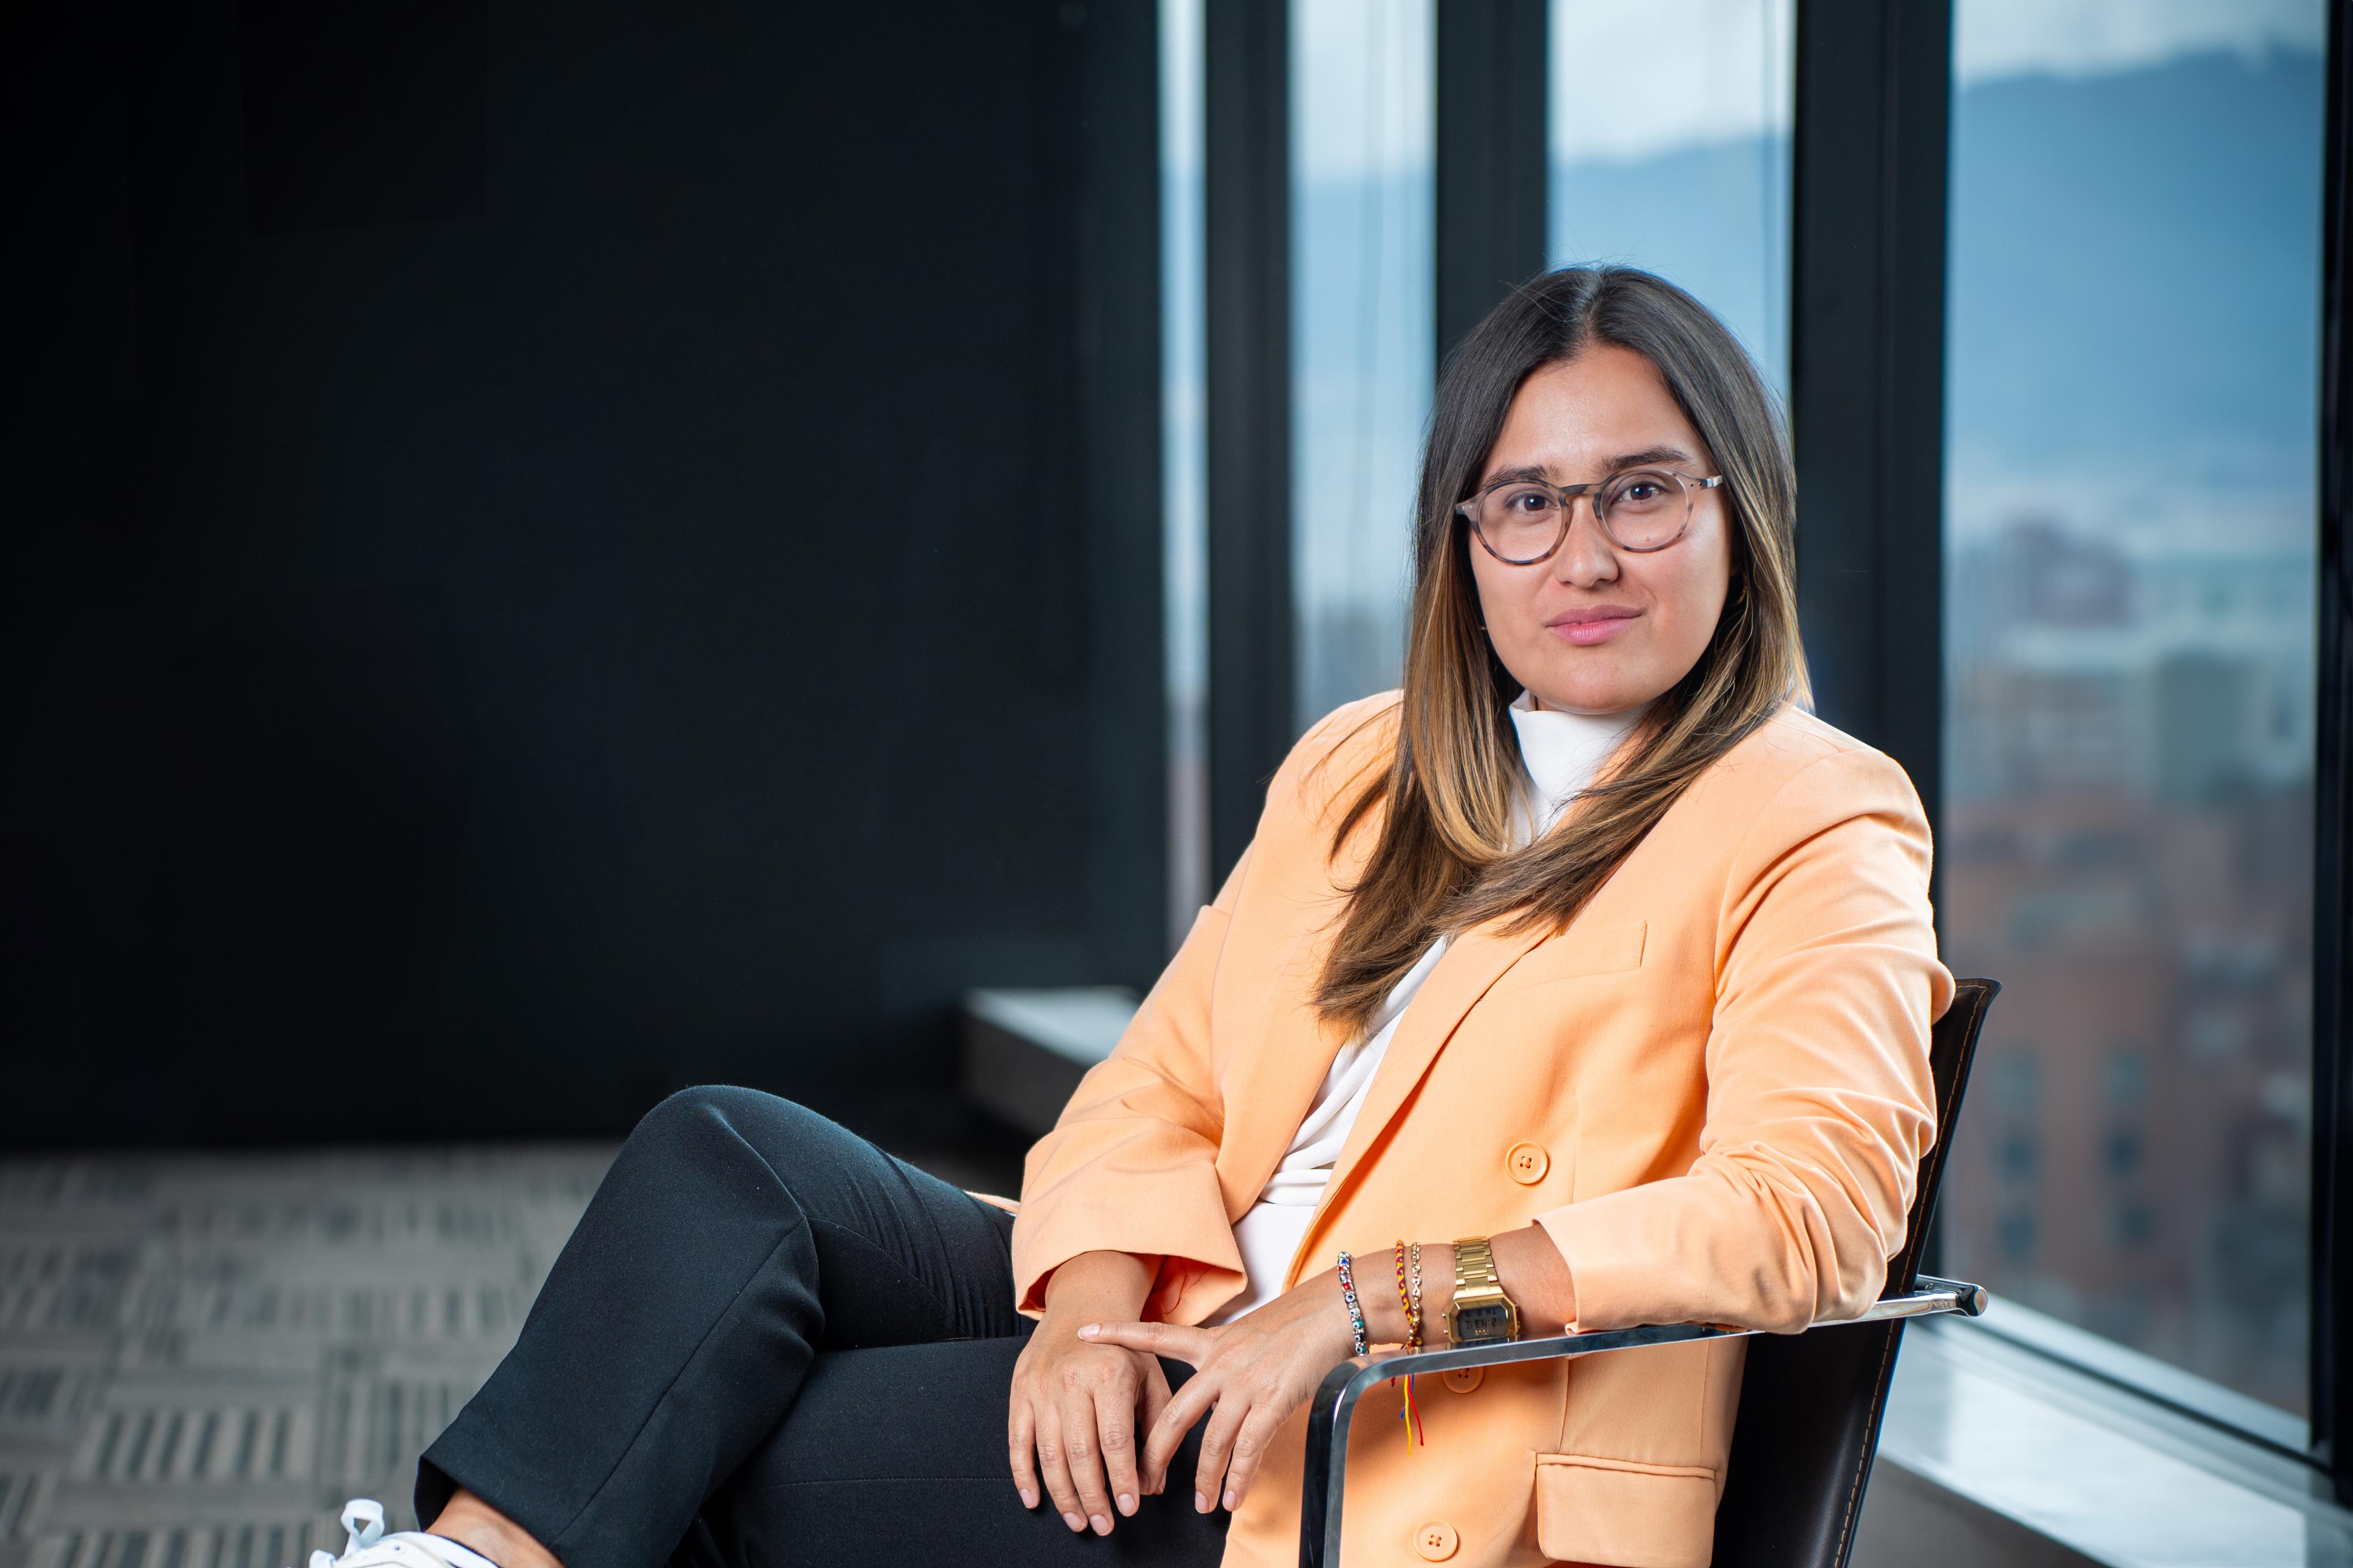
1251,1375
1075,1405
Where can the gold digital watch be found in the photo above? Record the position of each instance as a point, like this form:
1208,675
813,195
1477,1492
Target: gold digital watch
1480,1314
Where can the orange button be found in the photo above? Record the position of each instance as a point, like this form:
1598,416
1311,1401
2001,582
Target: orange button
1436,1541
1464,1379
1527,1162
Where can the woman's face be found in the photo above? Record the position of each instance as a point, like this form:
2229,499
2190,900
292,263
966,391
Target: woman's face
1594,628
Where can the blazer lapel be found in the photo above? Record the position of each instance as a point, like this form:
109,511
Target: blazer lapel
1273,1086
1473,962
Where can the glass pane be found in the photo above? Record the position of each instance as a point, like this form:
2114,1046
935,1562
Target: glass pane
1185,473
1669,151
1362,76
2129,702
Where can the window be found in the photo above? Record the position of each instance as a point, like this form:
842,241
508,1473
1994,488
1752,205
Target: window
1363,333
1681,166
2130,558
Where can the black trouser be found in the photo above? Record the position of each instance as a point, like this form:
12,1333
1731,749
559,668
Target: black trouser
769,1343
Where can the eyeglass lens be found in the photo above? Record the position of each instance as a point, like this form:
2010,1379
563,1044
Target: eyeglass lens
1643,510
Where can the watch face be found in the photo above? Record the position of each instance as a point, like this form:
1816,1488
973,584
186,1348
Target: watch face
1489,1321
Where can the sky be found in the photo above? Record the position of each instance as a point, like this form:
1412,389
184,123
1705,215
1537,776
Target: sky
1631,81
1727,76
1361,87
1995,38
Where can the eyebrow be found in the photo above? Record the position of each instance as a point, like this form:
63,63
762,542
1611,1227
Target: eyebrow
1645,458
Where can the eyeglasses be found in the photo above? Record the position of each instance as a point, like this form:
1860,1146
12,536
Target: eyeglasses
1522,522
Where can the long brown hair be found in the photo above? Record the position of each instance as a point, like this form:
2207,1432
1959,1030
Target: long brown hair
1443,860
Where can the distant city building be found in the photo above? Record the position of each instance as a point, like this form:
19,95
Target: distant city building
2126,845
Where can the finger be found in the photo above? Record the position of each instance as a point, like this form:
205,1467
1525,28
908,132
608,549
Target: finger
1171,1340
1080,1449
1020,1448
1186,1406
1153,1402
1056,1469
1250,1445
1115,1429
1217,1446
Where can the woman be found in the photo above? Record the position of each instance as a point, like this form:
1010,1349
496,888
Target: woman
1589,977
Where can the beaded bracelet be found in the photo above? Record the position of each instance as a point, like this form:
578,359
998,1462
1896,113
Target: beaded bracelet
1356,1307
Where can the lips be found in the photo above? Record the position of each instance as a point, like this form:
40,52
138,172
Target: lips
1591,624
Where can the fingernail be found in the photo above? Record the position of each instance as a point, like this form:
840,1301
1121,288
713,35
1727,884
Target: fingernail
1029,1497
1128,1503
1090,1331
1229,1501
1200,1502
1074,1521
1102,1525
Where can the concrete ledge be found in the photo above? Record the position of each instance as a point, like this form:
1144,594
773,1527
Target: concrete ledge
1996,1452
1025,1050
1910,1522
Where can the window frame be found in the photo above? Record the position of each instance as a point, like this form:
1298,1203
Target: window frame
1871,139
1868,230
1246,223
2332,1206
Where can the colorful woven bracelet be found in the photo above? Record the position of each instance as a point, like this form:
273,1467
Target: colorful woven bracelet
1356,1307
1406,1299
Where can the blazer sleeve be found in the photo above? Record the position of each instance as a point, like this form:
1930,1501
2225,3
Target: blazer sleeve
1131,1164
1820,1101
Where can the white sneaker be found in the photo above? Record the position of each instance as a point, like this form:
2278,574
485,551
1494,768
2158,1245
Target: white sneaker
370,1547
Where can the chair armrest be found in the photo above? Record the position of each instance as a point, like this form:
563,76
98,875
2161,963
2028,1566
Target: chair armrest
1335,1405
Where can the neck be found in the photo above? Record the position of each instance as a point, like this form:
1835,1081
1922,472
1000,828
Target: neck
1630,712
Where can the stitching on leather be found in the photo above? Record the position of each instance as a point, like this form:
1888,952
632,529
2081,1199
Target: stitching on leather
1862,1466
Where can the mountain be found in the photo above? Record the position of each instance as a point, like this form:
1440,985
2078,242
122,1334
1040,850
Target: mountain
2134,262
2159,230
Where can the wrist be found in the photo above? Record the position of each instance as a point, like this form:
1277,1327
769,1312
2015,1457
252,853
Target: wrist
1385,1315
1336,1327
1100,1288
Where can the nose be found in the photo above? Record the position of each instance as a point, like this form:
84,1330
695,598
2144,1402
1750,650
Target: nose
1585,558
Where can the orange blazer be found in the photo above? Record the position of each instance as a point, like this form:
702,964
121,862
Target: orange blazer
1711,1090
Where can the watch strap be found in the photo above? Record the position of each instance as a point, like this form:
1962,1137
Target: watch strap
1475,1266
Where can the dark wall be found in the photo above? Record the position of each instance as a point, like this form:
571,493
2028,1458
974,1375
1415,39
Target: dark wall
562,552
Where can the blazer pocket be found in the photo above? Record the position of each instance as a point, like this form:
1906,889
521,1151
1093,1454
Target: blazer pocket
1629,1515
1577,952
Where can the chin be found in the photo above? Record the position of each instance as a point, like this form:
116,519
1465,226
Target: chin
1580,688
1586,698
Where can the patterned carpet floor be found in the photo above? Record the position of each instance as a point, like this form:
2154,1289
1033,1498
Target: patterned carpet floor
201,1358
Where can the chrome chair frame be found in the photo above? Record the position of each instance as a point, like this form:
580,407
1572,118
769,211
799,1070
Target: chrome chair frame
1761,1481
1335,1409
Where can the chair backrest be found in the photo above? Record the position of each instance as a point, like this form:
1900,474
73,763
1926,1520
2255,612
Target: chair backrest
1811,1404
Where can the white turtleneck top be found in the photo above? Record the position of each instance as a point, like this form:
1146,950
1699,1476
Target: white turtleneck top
1561,753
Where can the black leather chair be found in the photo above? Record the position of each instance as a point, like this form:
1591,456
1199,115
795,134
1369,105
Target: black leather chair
1809,1403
